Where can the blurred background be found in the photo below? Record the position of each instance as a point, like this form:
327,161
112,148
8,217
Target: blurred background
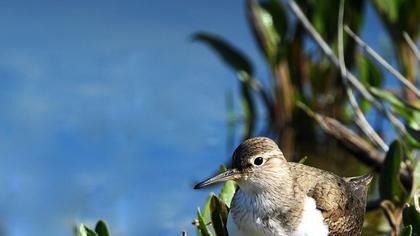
109,110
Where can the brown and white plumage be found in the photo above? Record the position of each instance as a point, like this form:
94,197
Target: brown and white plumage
276,197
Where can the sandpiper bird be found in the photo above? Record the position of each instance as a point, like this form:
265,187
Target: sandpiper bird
279,198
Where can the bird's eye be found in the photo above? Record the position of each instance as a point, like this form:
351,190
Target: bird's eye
258,161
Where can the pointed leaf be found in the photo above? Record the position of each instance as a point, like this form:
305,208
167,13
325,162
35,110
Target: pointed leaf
102,228
206,211
219,213
202,226
394,101
263,27
85,231
390,186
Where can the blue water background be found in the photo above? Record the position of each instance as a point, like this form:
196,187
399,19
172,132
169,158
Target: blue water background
109,110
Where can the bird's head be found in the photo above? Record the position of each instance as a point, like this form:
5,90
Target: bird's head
257,162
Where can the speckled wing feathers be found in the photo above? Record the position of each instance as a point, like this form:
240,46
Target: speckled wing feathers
341,200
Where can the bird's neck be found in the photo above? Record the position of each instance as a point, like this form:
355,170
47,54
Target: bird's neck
282,201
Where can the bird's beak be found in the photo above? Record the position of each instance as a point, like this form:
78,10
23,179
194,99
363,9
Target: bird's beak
231,174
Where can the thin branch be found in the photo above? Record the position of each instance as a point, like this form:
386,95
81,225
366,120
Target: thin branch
361,120
351,78
412,46
354,144
382,61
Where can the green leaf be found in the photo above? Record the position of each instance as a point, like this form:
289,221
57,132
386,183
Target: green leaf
390,186
279,16
411,217
85,231
228,190
102,228
390,8
219,213
394,101
403,108
303,160
369,74
230,55
264,30
412,138
415,133
406,231
206,211
415,121
202,226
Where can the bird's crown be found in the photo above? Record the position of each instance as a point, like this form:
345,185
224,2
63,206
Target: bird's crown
253,148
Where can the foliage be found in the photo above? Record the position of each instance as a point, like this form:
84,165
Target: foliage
101,229
299,72
216,211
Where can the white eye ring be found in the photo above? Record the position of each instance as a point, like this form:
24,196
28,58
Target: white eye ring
258,161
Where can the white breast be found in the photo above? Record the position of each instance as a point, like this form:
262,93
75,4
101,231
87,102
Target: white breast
312,221
312,224
251,230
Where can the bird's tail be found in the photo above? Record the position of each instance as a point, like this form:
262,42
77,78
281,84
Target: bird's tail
360,185
363,180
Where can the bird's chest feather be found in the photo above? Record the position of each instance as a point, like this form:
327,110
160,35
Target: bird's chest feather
252,215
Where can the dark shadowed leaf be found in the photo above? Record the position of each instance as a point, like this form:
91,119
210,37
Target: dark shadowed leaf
202,226
369,74
230,55
390,186
389,8
406,231
102,228
413,136
219,213
415,133
412,217
279,16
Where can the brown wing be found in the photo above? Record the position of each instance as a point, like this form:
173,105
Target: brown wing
334,196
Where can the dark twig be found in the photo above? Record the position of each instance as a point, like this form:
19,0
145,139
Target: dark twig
354,144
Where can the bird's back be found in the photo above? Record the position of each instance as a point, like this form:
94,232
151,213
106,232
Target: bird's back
342,201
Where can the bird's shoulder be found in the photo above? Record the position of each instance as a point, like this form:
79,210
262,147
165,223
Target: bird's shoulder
341,206
327,189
